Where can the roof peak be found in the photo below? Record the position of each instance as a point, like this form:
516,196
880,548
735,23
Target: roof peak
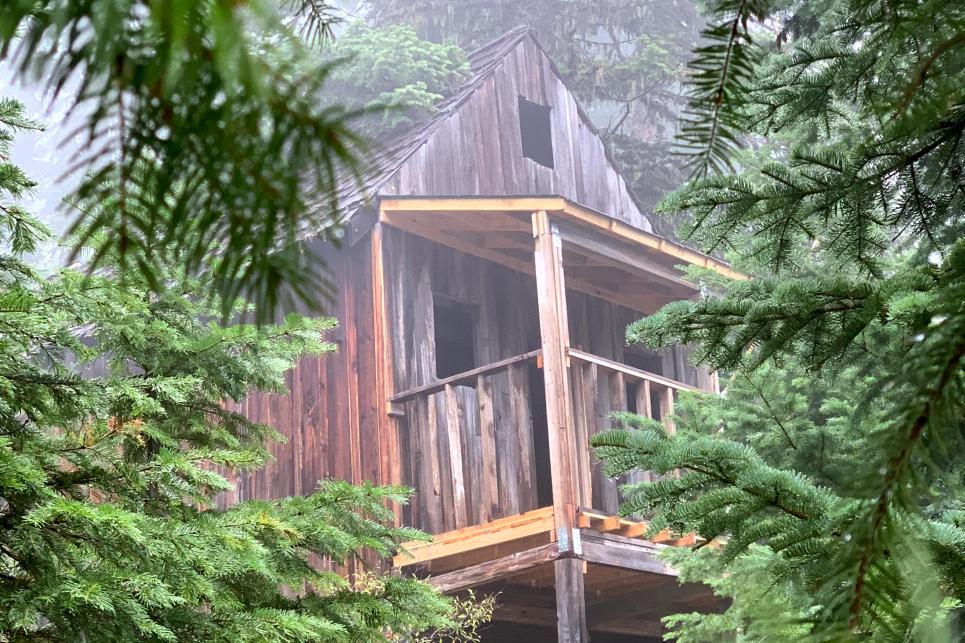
507,39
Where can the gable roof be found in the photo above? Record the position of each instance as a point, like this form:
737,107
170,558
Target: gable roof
389,158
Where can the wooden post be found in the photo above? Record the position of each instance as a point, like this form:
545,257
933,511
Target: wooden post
387,429
554,334
570,602
643,399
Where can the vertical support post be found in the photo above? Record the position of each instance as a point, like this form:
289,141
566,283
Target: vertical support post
554,334
387,431
643,399
570,604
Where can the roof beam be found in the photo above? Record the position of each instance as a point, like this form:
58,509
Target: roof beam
526,204
595,245
571,210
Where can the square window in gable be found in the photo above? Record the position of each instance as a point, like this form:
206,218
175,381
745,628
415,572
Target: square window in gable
535,132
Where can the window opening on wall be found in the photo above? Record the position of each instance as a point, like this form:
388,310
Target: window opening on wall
535,132
454,322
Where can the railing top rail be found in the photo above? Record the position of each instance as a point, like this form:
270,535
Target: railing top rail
440,385
609,364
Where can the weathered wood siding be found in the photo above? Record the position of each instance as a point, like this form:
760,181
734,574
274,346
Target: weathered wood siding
477,150
330,414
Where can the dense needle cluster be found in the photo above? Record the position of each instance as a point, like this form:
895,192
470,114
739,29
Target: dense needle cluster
844,123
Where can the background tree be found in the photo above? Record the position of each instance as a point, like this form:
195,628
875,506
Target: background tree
851,210
112,436
393,75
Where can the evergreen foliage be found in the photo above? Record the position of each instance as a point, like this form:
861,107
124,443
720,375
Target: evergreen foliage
113,441
204,132
838,471
394,75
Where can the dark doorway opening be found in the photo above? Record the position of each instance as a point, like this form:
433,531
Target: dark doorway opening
454,323
541,446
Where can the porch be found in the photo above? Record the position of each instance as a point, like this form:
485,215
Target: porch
523,504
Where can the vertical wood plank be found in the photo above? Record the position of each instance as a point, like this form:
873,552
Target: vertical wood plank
644,408
436,518
386,425
596,416
618,404
471,450
666,409
618,392
507,449
489,508
581,429
351,371
455,457
523,427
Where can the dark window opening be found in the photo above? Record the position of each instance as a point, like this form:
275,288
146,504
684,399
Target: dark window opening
454,329
535,132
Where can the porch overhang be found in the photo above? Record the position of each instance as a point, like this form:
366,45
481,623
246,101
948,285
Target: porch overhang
602,256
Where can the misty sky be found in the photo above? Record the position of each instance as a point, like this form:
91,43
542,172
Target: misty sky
44,156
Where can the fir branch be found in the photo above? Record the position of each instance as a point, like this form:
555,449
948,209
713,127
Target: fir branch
897,469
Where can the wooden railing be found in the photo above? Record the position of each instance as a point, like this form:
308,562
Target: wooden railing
473,432
466,377
474,455
598,387
644,383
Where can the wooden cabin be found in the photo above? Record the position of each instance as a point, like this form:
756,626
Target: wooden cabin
493,259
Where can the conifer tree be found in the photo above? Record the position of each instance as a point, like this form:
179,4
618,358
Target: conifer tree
848,210
202,125
112,436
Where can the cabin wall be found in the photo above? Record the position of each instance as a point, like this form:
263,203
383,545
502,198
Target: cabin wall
478,151
328,416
